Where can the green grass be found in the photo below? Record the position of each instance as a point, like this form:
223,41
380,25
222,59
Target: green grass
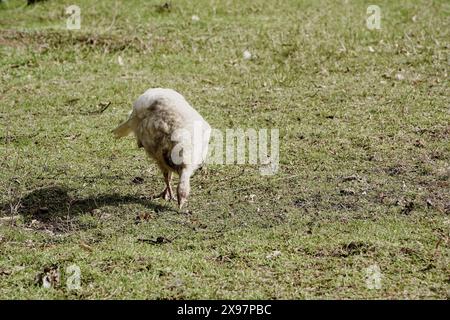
364,156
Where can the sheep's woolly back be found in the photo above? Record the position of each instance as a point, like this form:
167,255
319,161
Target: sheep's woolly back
164,122
161,96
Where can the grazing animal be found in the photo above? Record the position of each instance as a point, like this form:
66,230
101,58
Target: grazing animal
172,133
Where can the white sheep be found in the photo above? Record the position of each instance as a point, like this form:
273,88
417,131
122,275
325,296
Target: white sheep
173,133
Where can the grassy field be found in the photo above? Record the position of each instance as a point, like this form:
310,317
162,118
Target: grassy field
364,170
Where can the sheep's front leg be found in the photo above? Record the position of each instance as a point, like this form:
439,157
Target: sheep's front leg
167,193
168,189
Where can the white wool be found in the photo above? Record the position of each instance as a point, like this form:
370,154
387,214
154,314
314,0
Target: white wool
173,133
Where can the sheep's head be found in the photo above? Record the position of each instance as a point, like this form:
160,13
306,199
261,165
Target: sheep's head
183,190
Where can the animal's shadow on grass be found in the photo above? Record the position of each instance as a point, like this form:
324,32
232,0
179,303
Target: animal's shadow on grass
53,208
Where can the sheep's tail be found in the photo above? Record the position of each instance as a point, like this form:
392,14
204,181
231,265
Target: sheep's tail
123,130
